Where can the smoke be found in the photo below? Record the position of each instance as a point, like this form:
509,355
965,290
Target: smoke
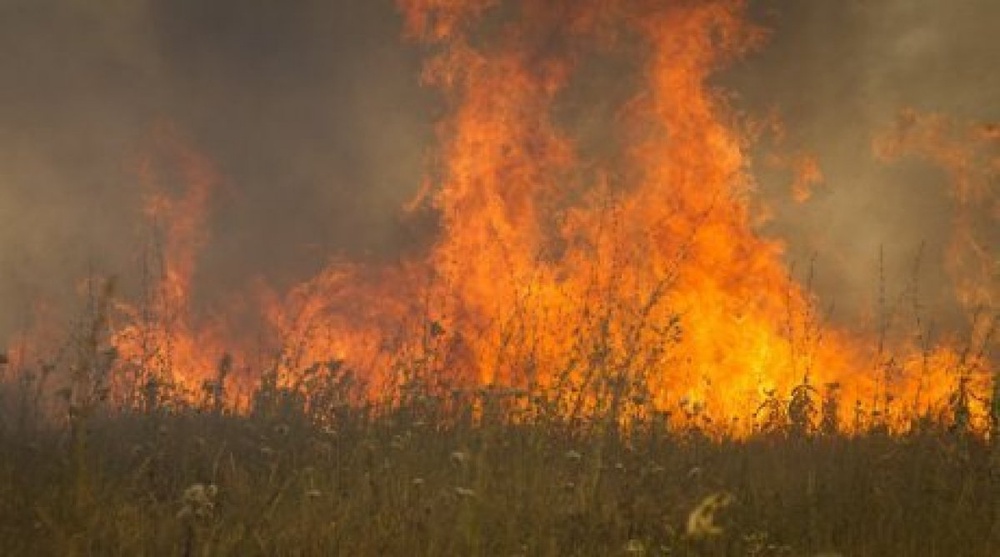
838,74
311,111
314,116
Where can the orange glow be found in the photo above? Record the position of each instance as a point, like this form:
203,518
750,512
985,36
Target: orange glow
641,275
158,338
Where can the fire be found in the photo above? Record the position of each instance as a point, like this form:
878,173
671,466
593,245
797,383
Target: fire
651,273
639,273
159,336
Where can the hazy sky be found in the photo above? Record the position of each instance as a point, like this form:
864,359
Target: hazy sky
312,112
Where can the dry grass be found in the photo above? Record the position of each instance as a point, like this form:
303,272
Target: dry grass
419,481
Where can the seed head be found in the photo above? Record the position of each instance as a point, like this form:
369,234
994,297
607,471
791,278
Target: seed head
701,521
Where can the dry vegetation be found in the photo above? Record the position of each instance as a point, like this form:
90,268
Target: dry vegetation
484,472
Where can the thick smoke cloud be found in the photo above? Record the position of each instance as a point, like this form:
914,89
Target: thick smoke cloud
310,110
313,114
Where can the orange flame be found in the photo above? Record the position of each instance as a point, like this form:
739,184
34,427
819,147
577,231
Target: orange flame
652,273
160,339
645,273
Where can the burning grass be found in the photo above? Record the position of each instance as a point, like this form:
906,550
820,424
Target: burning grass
636,274
592,356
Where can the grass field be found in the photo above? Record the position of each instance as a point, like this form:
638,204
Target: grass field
453,476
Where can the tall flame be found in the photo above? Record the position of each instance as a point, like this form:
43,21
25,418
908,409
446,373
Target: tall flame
554,272
651,272
159,339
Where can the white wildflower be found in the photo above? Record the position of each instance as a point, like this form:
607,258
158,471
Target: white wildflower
198,501
459,457
465,492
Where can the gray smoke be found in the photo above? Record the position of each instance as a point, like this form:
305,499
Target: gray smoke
838,73
311,111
